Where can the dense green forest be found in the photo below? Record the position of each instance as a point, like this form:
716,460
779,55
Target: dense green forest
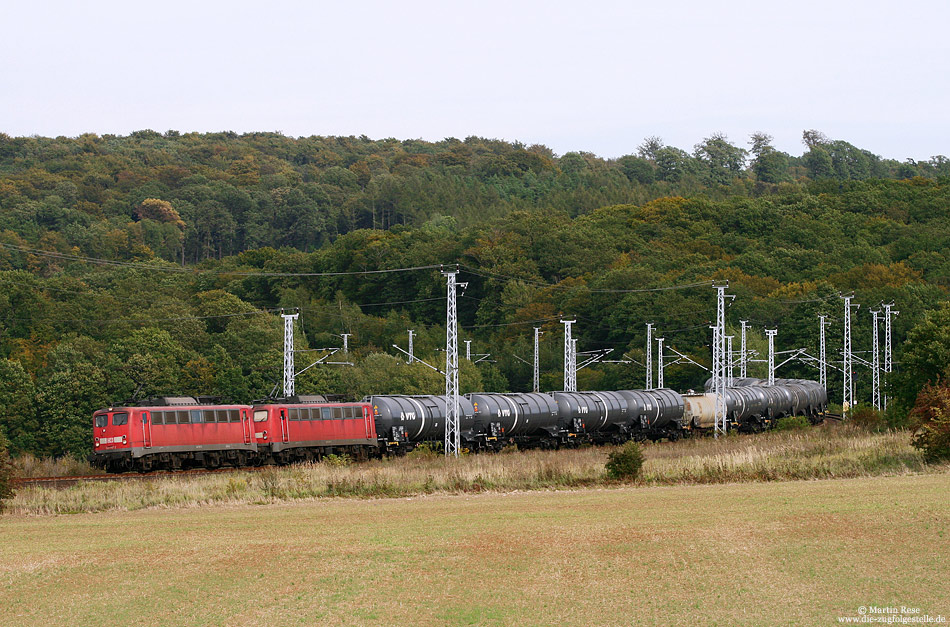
158,263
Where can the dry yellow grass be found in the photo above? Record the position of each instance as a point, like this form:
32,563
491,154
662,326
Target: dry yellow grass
28,465
797,552
811,454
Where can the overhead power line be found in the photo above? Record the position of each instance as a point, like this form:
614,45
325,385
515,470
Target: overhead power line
809,300
140,320
264,310
509,324
89,292
491,275
181,270
171,268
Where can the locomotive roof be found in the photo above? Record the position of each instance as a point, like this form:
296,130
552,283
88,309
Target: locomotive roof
167,401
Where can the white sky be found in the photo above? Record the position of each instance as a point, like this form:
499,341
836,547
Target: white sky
597,76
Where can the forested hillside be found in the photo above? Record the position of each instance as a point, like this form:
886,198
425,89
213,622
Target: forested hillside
158,262
230,193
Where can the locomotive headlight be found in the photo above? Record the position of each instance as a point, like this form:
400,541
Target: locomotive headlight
123,439
97,441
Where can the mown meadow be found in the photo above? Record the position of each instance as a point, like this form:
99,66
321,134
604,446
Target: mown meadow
790,552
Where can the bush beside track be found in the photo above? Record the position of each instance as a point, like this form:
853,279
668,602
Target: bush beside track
6,478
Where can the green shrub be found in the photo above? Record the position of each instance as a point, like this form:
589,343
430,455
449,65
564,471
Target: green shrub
337,460
896,417
792,423
425,450
269,480
625,462
933,438
6,473
930,418
866,417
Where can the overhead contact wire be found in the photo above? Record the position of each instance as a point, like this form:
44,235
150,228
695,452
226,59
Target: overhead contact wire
180,270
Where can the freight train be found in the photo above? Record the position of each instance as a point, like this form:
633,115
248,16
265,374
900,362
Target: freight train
181,432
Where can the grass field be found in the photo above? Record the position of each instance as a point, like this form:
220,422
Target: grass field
796,552
827,452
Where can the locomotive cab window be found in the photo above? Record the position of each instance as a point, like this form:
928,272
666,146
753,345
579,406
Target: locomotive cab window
102,420
260,415
119,419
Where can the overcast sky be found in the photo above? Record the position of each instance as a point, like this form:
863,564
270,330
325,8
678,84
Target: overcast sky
595,76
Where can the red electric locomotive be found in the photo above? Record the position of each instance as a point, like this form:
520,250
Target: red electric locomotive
181,432
173,433
307,428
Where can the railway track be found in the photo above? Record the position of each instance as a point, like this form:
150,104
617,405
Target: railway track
65,482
